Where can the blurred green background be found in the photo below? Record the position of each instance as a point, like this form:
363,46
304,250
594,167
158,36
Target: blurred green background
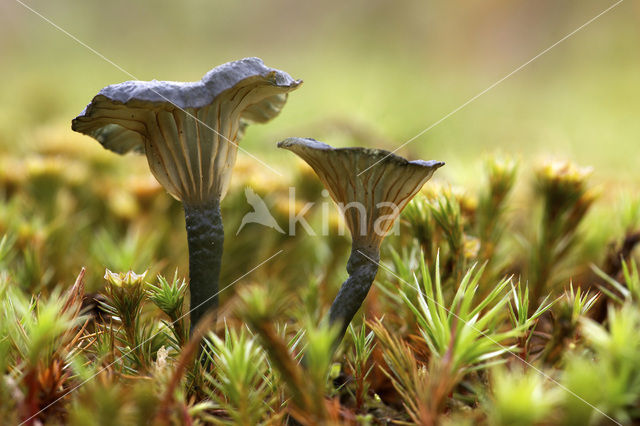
376,72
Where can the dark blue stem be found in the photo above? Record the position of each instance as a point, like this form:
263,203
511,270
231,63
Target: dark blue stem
205,236
362,268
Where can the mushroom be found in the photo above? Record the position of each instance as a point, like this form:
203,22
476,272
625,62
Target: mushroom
370,198
189,133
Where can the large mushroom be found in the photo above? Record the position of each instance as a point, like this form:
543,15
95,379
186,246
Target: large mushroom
371,187
189,133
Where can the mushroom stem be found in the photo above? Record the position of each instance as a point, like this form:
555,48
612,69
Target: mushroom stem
362,268
205,236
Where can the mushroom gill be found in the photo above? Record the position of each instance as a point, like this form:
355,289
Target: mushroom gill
189,131
370,201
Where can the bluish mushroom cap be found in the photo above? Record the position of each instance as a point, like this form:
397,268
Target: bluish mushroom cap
188,131
371,186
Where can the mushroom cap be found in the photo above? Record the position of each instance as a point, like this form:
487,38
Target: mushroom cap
187,130
370,186
182,95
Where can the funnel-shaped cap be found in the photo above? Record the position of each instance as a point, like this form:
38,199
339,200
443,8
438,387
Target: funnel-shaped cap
370,186
189,131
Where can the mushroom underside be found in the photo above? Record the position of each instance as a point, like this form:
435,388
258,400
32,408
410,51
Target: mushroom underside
371,187
190,151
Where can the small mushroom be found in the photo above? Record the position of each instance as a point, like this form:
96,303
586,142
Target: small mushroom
370,202
189,133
